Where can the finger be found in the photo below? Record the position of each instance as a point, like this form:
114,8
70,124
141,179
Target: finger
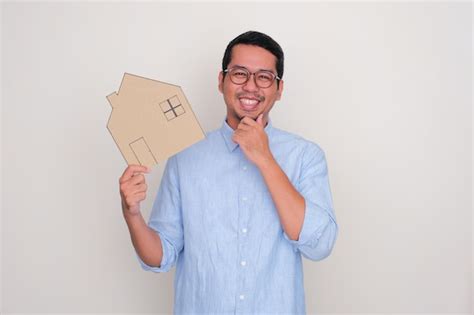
137,179
140,196
131,170
243,126
240,133
236,138
141,188
133,195
129,186
248,121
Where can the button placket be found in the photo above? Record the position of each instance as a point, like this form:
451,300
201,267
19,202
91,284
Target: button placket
244,204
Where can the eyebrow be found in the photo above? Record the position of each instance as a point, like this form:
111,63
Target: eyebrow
239,66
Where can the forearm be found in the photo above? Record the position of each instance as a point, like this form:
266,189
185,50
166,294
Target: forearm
147,242
288,201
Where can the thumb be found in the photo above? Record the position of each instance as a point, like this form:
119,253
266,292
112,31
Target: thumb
260,120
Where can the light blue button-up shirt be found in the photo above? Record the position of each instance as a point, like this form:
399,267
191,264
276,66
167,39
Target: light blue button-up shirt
219,226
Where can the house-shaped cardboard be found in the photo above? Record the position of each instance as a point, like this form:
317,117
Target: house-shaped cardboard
151,120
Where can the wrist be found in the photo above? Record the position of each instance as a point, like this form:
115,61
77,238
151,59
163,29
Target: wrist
129,214
266,162
134,221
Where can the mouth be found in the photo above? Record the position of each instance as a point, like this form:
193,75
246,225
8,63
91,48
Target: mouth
249,103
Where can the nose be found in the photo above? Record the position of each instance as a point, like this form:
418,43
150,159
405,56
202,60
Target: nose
250,85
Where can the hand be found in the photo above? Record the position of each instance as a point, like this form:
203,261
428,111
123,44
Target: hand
133,188
253,140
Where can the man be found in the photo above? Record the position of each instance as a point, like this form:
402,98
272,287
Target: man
236,211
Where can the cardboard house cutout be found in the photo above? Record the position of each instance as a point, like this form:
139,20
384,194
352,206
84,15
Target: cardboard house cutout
151,120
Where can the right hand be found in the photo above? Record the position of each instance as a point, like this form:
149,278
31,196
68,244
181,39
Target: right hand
133,188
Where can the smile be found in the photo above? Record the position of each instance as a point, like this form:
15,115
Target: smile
249,104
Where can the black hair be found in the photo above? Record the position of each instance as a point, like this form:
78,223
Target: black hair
256,39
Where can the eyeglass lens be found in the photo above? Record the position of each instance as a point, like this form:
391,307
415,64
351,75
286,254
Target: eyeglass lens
263,78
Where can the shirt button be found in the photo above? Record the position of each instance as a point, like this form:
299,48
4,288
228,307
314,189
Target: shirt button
244,168
244,198
244,230
243,262
241,297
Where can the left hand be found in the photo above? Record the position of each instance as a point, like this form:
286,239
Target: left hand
252,139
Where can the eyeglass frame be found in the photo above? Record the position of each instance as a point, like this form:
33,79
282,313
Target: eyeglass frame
276,77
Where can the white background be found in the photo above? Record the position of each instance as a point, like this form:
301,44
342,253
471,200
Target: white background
383,88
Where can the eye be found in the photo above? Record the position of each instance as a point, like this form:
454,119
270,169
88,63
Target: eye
265,76
239,73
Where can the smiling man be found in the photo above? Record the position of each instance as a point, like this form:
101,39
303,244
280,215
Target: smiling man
236,212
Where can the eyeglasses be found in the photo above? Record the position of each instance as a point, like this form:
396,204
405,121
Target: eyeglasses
262,78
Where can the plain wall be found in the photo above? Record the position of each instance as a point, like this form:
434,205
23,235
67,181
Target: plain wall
384,88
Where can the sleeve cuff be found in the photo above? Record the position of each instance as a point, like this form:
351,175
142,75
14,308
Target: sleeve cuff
315,221
165,260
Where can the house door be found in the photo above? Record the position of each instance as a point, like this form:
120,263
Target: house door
142,152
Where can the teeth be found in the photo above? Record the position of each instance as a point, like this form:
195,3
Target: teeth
247,101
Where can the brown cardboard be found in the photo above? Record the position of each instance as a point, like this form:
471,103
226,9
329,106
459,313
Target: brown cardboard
151,120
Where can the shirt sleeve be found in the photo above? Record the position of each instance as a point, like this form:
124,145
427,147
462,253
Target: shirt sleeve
319,231
166,218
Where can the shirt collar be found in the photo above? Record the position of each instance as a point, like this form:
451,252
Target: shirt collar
227,133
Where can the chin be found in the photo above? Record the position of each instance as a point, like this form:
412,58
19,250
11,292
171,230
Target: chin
249,115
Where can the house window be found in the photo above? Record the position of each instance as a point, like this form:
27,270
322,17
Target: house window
172,108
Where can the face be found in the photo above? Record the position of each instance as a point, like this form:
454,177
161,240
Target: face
248,99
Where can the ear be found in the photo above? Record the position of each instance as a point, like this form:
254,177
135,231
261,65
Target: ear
280,90
221,82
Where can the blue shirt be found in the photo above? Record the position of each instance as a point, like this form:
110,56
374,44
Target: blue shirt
219,226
